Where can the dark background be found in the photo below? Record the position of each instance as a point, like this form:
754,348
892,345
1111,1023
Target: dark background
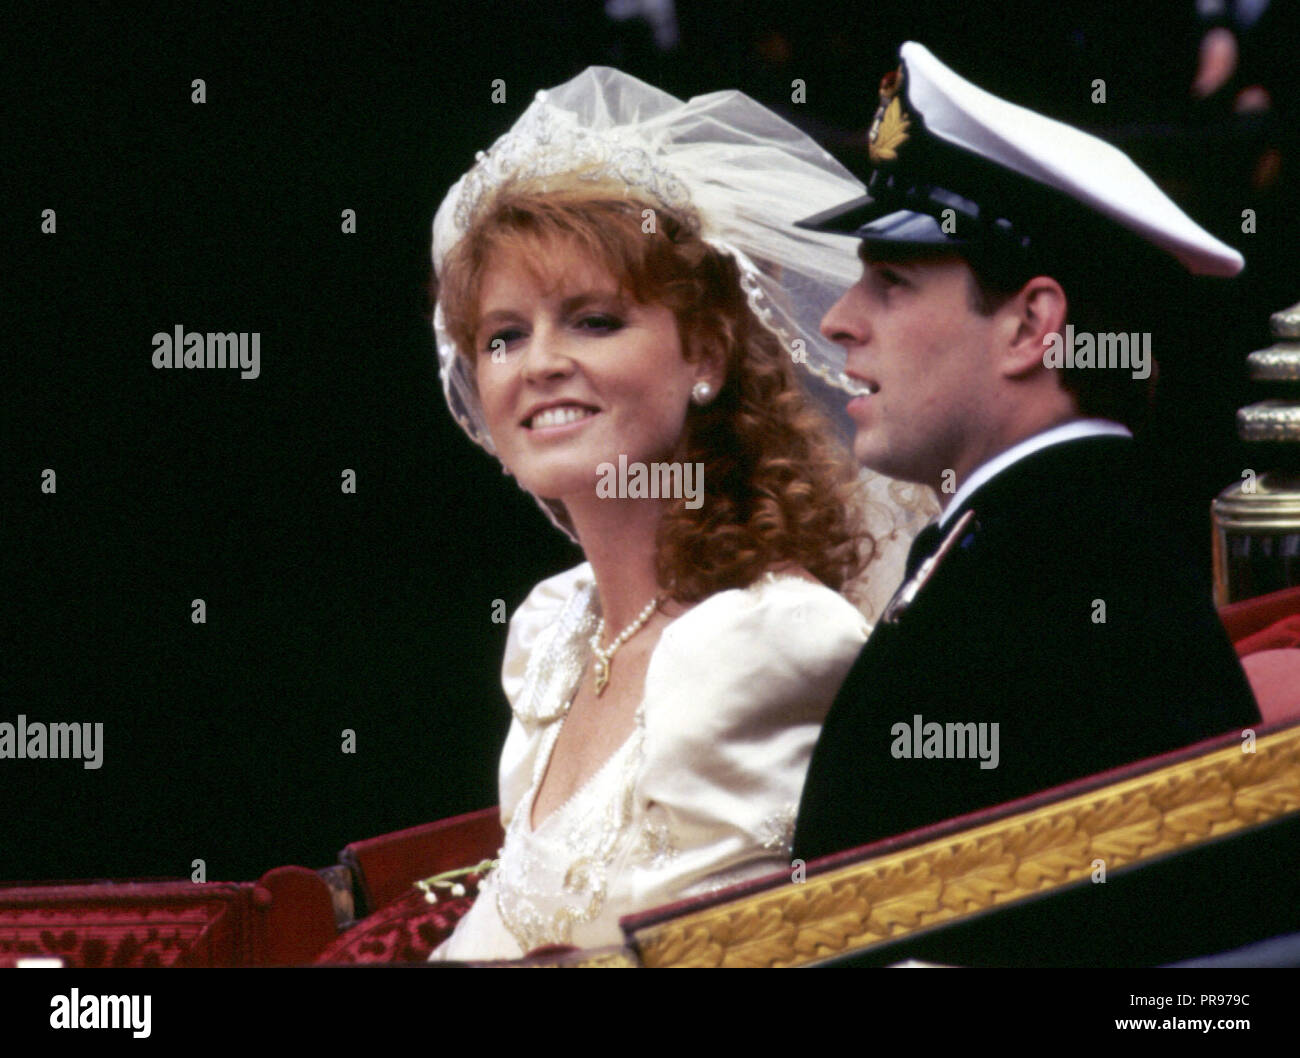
326,611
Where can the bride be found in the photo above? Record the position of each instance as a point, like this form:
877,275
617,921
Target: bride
622,310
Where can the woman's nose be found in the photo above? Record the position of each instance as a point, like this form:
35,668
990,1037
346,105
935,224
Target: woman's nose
546,354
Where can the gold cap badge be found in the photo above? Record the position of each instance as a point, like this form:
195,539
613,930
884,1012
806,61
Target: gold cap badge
889,127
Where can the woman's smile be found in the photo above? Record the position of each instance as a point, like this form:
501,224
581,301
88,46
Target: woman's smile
553,417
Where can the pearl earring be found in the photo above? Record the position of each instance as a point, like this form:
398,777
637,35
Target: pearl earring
701,393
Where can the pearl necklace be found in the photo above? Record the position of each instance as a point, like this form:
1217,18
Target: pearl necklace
605,655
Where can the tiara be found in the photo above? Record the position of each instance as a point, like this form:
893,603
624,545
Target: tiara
548,142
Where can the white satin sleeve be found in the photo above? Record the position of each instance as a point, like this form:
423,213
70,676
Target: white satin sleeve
735,696
531,626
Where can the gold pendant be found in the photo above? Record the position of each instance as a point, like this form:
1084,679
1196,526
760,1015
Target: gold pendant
602,675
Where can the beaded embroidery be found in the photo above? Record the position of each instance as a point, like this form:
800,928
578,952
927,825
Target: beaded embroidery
655,847
557,661
539,900
776,832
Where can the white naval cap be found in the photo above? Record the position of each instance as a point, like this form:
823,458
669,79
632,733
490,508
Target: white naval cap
954,165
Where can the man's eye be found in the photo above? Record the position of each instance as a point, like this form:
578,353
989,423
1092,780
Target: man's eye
890,278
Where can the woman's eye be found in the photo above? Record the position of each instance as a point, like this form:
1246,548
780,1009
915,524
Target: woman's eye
602,322
501,340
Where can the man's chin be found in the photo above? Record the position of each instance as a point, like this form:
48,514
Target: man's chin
870,454
873,456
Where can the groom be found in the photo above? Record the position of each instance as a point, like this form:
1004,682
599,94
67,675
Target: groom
1045,631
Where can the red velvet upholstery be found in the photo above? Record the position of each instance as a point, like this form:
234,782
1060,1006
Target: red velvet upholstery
1266,632
385,868
1243,619
283,919
300,919
1277,636
149,924
406,927
407,930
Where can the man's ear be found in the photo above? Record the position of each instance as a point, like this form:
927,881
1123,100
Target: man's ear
1030,319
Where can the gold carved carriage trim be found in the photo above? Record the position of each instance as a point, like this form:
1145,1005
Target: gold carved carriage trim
852,908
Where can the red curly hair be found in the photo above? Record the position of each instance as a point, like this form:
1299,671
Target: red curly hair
778,489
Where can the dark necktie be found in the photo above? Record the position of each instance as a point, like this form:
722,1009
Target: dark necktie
926,544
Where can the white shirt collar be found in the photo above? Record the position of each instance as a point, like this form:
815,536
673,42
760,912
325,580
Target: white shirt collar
1069,431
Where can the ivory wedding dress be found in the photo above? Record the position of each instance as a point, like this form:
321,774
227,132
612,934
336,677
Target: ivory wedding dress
703,793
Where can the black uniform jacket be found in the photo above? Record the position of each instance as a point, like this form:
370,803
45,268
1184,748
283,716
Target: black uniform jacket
1062,617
